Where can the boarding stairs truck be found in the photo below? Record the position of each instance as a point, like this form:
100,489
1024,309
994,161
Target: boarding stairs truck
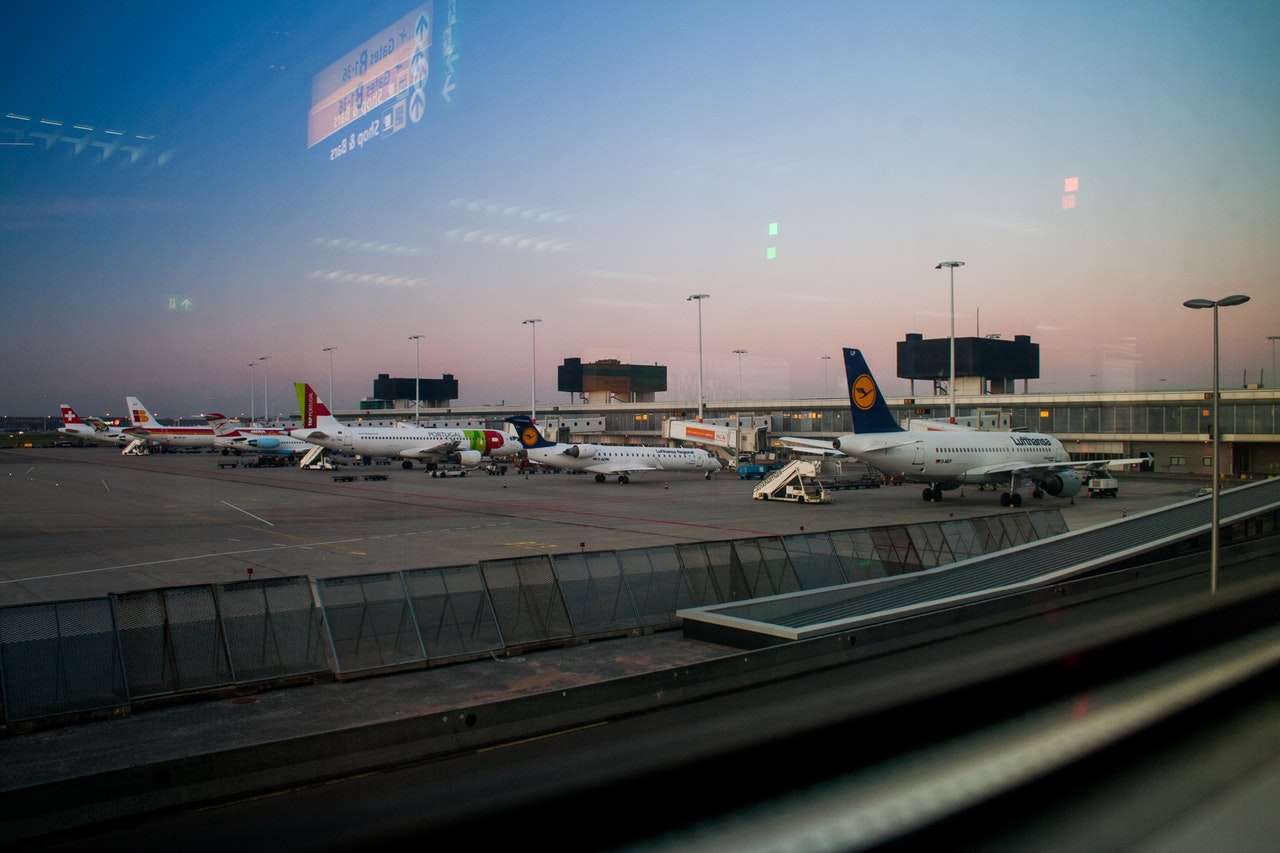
797,481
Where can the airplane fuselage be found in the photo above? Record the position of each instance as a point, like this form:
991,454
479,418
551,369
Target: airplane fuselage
411,442
952,457
605,458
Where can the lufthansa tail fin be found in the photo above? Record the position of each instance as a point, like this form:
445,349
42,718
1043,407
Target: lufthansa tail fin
528,433
870,412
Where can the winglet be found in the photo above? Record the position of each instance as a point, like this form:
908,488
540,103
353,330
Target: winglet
870,412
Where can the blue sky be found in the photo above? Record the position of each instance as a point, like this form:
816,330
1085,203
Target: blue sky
599,162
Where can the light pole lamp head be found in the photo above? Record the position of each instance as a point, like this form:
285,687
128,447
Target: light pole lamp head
698,296
951,264
529,322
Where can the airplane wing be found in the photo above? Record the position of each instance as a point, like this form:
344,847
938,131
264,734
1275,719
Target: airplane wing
428,451
619,468
1003,470
809,445
314,435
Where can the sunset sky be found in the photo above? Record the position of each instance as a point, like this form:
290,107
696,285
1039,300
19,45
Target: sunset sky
164,224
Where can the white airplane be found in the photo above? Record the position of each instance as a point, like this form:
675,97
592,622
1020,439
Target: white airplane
947,459
463,446
605,460
254,439
148,428
93,429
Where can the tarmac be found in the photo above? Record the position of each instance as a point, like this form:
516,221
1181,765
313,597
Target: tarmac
85,522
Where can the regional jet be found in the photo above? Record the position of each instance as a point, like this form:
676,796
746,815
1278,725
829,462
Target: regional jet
605,460
466,447
254,439
947,459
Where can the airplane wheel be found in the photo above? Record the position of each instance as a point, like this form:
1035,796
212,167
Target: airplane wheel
1016,500
599,478
624,480
927,494
1038,494
406,464
1004,499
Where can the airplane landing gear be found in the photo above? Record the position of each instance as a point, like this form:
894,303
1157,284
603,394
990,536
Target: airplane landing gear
932,494
599,478
1011,499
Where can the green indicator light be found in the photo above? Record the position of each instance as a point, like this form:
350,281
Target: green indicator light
773,229
770,253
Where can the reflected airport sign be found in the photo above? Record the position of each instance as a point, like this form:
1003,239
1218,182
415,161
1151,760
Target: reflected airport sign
181,303
377,89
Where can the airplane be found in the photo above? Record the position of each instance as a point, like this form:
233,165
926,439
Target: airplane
946,459
407,443
606,460
254,439
94,429
148,429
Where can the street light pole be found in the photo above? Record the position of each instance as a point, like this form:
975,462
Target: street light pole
826,387
417,383
1226,301
252,402
266,406
332,406
951,381
1273,339
533,381
740,353
698,297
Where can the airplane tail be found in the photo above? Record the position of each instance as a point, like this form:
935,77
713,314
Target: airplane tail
528,433
870,412
139,414
221,426
69,416
315,414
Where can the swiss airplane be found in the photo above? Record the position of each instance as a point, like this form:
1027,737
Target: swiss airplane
254,439
947,459
463,446
94,429
605,460
147,428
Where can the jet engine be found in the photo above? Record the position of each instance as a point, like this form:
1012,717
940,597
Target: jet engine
1062,484
466,458
580,451
265,442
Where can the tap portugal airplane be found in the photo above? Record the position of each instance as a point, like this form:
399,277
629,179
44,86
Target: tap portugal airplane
463,446
606,460
947,459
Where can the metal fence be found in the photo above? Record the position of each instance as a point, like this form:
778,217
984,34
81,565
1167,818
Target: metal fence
78,657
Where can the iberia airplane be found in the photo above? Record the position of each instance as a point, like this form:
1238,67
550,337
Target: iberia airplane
149,429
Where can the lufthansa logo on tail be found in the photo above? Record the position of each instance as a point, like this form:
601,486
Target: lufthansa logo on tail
529,436
863,392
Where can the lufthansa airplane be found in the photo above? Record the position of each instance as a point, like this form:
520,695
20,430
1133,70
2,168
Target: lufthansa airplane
463,446
605,460
947,459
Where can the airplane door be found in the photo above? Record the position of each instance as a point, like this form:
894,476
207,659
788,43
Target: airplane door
919,460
